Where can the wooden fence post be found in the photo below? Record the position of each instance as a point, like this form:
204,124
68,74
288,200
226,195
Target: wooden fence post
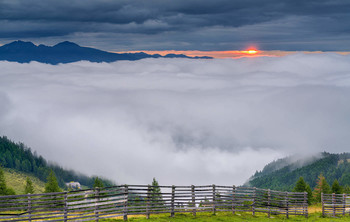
333,203
344,201
214,204
253,204
29,208
322,201
305,207
172,201
65,206
233,199
287,205
268,202
193,201
126,198
148,201
97,194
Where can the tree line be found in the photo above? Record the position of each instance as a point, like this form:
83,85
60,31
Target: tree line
322,186
332,166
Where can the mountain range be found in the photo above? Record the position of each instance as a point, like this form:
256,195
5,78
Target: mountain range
67,52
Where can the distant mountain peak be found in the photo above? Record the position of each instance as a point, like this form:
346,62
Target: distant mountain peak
66,44
20,43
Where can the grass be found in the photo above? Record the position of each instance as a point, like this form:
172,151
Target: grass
17,181
228,216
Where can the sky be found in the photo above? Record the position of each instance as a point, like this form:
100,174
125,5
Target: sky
181,121
205,25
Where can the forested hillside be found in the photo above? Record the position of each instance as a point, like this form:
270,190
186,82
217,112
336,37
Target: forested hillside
18,156
332,166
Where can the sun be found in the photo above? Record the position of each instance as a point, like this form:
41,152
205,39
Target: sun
250,51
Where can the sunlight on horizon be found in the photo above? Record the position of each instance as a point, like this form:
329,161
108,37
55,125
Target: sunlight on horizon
235,54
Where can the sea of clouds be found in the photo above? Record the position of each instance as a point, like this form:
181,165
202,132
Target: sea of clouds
181,121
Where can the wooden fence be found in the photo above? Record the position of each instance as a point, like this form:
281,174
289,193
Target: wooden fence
121,201
335,204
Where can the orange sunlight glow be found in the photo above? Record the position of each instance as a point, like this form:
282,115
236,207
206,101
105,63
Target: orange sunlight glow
250,52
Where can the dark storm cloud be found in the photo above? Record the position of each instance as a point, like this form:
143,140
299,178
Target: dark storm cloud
181,24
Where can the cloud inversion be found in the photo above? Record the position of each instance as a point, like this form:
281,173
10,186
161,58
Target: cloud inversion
181,121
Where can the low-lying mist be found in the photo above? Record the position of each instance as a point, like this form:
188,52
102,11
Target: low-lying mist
178,120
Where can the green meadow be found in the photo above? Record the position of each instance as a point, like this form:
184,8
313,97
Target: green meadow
228,216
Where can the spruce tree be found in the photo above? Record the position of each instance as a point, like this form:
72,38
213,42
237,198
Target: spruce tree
310,198
29,187
300,186
4,190
3,187
98,183
321,187
347,189
52,184
336,188
156,192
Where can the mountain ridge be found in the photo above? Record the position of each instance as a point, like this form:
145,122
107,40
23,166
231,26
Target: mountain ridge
68,52
332,166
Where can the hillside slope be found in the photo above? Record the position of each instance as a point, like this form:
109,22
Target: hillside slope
332,166
20,157
17,181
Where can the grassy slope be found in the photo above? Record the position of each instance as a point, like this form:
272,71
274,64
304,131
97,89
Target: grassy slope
227,216
17,181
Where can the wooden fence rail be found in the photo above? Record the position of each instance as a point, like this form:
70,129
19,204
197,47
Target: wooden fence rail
124,200
335,204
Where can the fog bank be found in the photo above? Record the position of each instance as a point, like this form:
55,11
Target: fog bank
181,121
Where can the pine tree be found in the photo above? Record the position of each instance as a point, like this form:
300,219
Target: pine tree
3,187
302,186
29,186
98,183
347,189
321,187
52,184
155,192
336,188
4,190
310,197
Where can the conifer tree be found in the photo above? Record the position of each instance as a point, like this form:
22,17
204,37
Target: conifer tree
310,197
98,183
3,187
336,188
346,189
29,186
302,186
4,190
52,184
156,192
321,187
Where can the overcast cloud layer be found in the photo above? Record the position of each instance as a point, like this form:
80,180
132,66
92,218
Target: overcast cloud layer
181,121
122,25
